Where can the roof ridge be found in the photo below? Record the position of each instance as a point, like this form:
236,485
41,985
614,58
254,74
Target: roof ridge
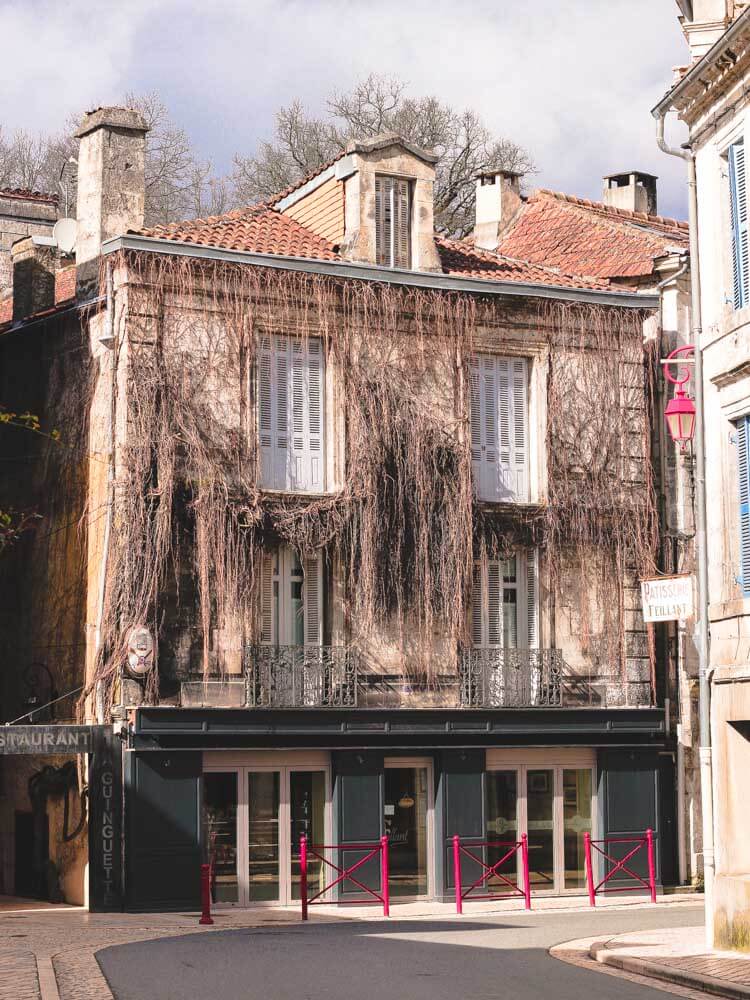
276,198
27,194
623,214
224,219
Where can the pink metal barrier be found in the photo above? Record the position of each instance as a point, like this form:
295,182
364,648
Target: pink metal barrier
646,842
511,849
308,851
206,873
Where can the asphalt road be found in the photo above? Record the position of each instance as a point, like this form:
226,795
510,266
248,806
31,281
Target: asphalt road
472,958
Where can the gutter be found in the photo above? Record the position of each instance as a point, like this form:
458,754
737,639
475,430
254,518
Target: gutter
390,276
709,60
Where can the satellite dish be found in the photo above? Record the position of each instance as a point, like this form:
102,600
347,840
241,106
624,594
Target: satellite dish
64,233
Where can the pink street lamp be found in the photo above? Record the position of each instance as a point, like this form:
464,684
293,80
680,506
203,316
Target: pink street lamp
680,411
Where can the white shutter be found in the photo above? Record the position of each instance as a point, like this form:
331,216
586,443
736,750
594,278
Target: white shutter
477,607
532,599
500,427
291,384
268,601
494,604
313,600
401,224
265,412
743,471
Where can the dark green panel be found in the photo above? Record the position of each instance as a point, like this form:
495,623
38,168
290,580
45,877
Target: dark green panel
163,823
629,804
462,795
358,817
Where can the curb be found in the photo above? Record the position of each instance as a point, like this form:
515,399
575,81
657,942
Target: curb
667,973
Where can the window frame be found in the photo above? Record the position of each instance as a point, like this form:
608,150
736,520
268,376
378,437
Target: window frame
504,423
394,180
743,501
527,604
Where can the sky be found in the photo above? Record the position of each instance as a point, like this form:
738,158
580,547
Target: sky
571,80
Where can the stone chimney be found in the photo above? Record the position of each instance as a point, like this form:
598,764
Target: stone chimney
35,261
497,206
634,192
111,178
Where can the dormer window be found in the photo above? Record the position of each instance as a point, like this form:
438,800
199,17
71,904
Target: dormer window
392,221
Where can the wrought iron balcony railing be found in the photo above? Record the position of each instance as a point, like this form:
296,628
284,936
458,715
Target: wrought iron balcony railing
511,678
331,677
301,677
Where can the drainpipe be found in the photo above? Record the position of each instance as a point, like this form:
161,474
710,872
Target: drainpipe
702,621
108,340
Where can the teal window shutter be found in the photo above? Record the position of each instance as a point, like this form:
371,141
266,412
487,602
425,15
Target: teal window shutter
743,469
740,235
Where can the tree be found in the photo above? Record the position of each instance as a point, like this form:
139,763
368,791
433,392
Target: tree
380,104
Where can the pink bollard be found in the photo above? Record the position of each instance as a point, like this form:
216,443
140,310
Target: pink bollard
385,875
205,895
589,871
457,873
303,874
651,865
525,869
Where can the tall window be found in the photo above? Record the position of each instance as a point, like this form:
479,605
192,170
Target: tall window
740,241
743,475
291,385
500,428
504,603
392,221
291,599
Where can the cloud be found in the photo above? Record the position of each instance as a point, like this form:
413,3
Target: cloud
572,80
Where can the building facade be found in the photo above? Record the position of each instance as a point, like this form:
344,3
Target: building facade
361,548
709,96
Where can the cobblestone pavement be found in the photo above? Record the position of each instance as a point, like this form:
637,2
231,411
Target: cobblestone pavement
49,954
677,955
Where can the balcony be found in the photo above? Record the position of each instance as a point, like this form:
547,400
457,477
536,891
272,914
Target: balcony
333,677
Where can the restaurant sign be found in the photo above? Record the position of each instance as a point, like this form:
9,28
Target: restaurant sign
667,599
45,739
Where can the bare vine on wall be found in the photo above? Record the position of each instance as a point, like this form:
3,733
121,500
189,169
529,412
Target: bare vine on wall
401,520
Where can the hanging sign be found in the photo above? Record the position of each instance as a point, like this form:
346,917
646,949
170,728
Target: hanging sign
667,599
45,739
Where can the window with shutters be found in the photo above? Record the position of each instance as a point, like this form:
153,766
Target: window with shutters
291,598
743,476
392,221
500,428
738,212
504,603
291,391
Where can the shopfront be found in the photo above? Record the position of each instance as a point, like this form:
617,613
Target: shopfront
246,809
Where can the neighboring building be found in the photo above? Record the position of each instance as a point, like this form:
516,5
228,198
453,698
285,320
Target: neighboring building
357,484
710,96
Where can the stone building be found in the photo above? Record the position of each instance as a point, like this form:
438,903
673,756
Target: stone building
709,95
341,539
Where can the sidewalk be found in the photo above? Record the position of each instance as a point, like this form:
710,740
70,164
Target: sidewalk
677,956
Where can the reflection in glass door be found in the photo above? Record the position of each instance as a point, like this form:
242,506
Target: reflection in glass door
576,790
307,801
263,836
406,805
502,819
540,805
220,834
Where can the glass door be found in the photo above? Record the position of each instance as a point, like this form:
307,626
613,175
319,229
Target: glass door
307,804
406,821
219,818
540,815
263,801
576,810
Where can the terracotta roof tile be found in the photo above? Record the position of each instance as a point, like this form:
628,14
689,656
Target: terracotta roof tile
26,194
462,260
590,239
258,229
